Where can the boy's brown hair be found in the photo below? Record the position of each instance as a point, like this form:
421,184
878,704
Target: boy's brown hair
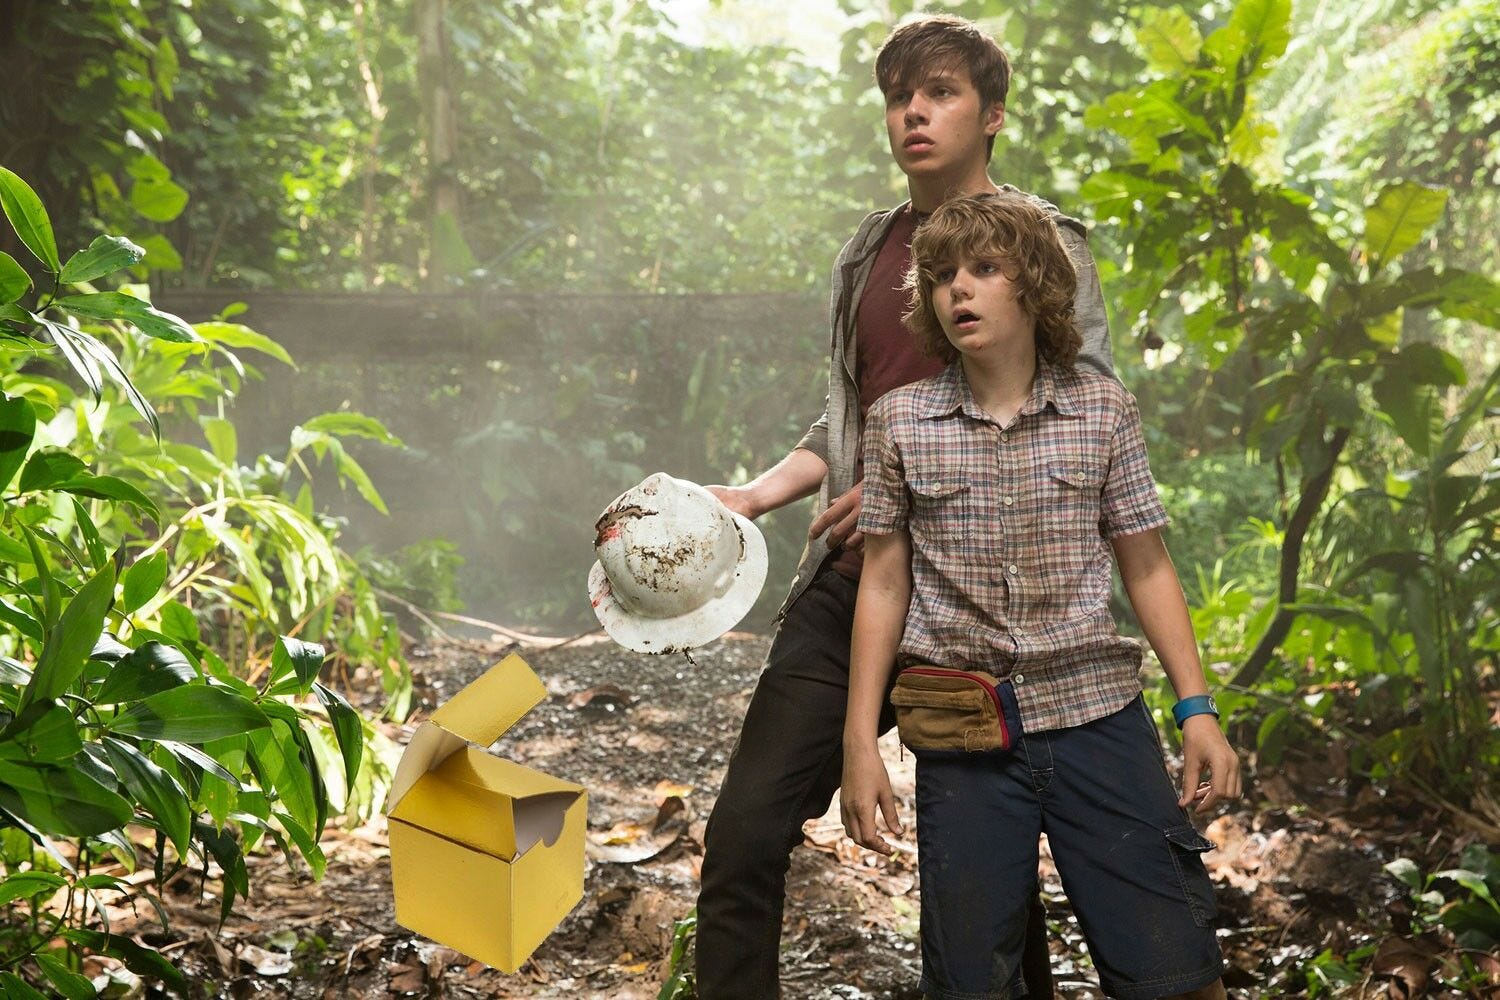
920,49
1023,238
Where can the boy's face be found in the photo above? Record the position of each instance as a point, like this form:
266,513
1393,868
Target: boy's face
938,126
976,304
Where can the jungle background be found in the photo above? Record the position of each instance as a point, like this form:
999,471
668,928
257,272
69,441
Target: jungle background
327,328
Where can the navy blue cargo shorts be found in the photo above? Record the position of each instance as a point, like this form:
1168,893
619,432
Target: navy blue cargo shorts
1128,855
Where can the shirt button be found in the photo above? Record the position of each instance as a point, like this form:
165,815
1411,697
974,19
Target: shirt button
1018,679
1077,477
1013,569
1009,501
1003,437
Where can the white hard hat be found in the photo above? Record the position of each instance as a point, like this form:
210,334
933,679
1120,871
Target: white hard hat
676,568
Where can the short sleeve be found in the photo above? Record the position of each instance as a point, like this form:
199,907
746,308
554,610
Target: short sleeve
884,503
1129,503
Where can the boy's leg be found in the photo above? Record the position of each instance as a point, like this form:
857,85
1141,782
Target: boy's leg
1130,858
977,827
784,770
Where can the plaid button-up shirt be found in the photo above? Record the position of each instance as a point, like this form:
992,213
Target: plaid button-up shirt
1010,566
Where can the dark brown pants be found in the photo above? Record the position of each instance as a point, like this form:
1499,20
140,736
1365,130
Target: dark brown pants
785,768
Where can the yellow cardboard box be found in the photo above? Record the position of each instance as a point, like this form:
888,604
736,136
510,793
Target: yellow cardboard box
486,855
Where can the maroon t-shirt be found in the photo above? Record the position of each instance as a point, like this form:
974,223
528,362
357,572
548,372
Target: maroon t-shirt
886,355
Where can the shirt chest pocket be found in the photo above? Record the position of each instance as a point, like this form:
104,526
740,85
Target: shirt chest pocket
1070,498
940,509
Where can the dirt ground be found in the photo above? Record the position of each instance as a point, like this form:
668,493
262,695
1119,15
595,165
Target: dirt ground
1298,869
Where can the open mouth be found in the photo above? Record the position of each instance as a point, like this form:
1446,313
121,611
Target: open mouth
965,320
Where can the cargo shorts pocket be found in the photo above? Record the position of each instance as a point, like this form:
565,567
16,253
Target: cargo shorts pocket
1187,846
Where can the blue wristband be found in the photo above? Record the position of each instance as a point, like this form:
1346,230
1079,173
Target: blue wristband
1198,704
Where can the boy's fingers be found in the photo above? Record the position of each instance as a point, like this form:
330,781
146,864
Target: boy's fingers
888,808
855,541
835,512
1191,768
843,530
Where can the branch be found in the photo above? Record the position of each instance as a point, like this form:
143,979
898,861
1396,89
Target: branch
1313,494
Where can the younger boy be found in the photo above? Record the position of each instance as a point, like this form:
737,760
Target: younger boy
990,491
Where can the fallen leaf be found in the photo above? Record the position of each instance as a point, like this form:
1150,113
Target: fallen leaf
605,696
1409,962
263,962
629,842
667,789
408,978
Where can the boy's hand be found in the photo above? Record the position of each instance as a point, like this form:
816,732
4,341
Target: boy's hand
1204,749
866,786
842,516
737,499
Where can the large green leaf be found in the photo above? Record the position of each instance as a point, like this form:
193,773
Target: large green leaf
142,580
306,843
17,430
161,255
106,255
68,345
347,729
279,764
141,961
193,713
86,355
350,424
43,731
69,983
26,885
26,214
155,789
153,668
225,849
1266,27
48,467
236,335
68,645
222,439
60,800
1169,38
303,659
16,988
158,200
1401,215
140,314
109,488
14,281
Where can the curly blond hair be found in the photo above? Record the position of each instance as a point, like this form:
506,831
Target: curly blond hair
1023,237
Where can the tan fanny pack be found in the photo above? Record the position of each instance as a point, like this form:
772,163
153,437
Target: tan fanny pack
942,709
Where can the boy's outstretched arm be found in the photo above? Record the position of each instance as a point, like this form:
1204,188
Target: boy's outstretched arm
794,477
1156,595
879,620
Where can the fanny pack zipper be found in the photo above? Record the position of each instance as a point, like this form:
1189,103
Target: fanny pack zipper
988,688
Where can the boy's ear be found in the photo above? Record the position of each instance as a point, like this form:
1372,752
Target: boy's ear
994,119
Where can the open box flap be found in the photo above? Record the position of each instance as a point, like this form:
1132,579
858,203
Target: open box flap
430,745
495,701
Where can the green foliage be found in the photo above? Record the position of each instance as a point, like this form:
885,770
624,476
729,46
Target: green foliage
680,983
1245,273
115,710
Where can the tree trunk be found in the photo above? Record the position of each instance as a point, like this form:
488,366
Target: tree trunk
441,131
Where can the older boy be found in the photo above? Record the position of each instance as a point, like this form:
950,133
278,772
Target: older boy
945,85
990,492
